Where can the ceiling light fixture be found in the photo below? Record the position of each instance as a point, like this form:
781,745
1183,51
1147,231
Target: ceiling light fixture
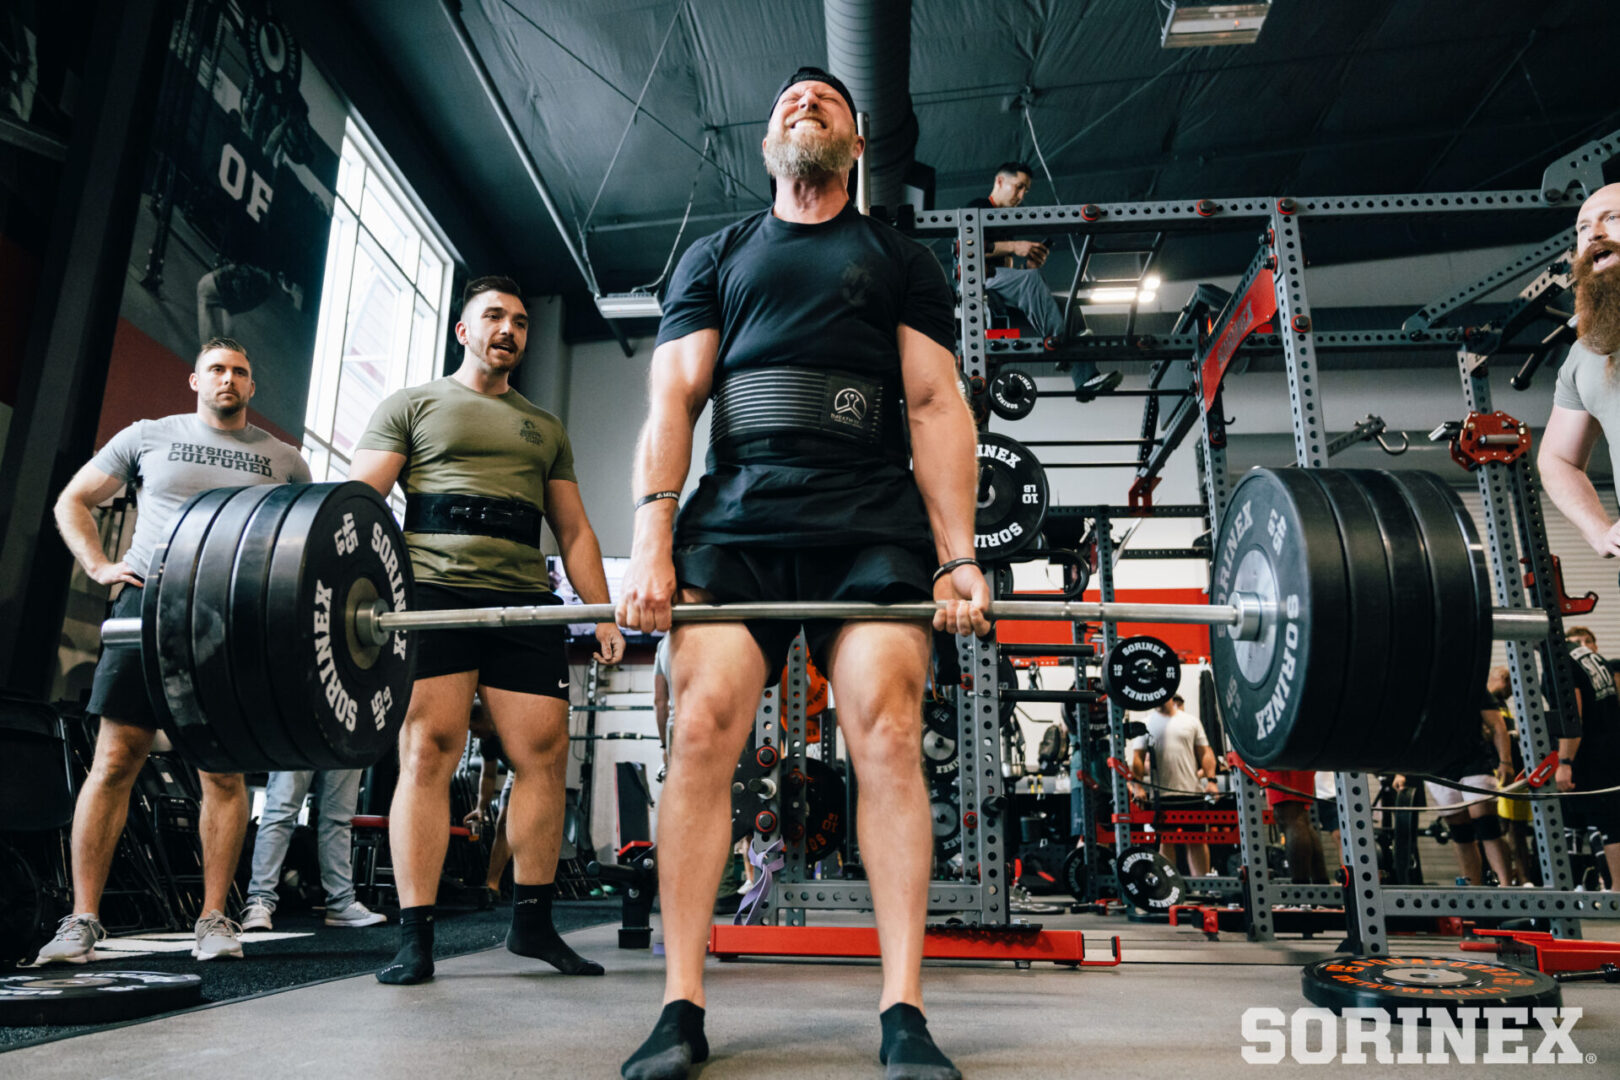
629,306
1112,296
1196,23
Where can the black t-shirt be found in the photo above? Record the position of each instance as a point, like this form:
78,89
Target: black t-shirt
981,203
1597,760
830,296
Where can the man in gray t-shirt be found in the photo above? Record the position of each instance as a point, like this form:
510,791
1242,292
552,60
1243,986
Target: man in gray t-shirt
164,462
1176,753
1586,400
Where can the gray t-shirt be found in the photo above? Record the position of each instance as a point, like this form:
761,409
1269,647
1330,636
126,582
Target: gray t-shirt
1173,743
1586,383
661,667
168,461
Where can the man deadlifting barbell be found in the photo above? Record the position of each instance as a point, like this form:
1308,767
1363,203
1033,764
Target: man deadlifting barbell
165,462
806,302
481,466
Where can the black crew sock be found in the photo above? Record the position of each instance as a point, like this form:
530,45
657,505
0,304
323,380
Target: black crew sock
414,961
908,1051
532,933
675,1045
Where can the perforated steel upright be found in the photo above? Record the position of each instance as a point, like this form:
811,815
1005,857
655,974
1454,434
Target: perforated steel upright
1506,488
1117,743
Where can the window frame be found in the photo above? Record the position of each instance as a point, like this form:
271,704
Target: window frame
351,241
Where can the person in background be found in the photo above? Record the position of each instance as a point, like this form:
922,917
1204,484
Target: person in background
1023,289
164,462
1515,813
1176,753
337,792
1591,762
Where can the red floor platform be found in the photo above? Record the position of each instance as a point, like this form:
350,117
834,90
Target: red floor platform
1020,944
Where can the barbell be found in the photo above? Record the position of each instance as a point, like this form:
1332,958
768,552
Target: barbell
276,625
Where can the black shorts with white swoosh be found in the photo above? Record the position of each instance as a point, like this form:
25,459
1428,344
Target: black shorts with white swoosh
522,659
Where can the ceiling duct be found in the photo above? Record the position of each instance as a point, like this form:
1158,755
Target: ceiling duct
869,47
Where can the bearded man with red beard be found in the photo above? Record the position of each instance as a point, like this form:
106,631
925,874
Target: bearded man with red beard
1586,403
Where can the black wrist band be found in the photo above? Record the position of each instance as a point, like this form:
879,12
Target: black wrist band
946,568
655,496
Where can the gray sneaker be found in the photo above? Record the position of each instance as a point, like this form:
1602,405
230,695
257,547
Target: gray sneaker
356,914
256,916
217,936
75,941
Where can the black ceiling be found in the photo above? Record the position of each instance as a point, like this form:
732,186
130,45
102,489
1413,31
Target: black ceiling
1338,96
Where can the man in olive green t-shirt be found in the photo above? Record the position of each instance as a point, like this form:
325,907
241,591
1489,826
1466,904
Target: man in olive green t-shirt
481,467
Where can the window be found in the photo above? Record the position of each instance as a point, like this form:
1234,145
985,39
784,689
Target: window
383,309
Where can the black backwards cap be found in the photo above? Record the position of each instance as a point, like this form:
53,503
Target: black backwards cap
814,74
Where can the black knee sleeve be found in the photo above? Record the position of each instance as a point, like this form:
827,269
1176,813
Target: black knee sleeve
1488,828
1462,832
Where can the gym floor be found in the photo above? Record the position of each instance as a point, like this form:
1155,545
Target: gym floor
1174,1005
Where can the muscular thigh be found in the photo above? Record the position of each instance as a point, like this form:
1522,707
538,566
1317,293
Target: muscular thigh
532,727
716,671
440,709
878,669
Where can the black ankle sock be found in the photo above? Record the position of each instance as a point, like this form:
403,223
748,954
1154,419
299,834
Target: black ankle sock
414,961
532,933
675,1045
908,1051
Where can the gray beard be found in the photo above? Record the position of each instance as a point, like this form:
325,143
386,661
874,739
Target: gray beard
811,159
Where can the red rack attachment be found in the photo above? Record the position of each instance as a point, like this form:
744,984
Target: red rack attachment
1487,437
1567,604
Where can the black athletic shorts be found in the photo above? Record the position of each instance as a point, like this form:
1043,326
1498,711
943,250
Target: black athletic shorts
523,659
119,688
1327,812
1600,812
876,573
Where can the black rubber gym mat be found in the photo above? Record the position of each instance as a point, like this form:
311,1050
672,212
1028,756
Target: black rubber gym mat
331,953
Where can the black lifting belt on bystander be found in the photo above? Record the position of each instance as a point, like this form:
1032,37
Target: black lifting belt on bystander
474,515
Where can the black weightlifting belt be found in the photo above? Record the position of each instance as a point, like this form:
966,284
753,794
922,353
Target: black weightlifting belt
474,515
769,402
